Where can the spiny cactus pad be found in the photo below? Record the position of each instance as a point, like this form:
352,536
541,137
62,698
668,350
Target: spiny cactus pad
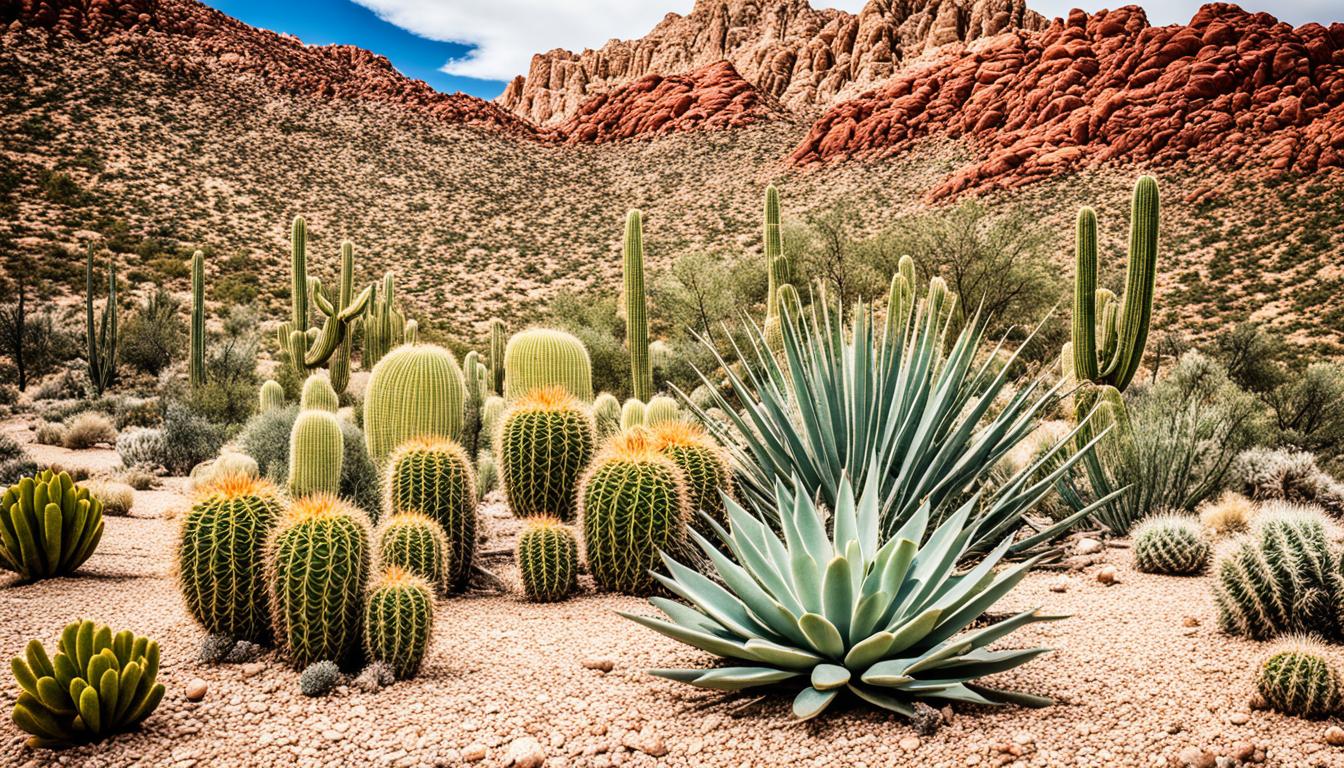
48,526
1171,544
545,442
398,619
318,569
434,477
543,357
414,391
548,560
415,542
221,556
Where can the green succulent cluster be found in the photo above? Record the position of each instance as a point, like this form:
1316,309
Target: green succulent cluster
221,557
398,619
544,443
415,543
316,451
1300,681
1171,544
318,568
548,560
434,478
98,684
414,391
543,357
48,526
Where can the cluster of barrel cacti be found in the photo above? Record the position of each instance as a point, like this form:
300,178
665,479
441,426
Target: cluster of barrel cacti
703,464
98,684
49,526
433,477
1171,544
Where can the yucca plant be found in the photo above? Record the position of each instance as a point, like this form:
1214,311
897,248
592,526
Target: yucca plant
884,618
898,409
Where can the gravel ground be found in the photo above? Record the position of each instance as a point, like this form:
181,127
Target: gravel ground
1141,676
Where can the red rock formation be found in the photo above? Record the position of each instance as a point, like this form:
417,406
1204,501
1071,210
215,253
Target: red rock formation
1229,87
713,96
803,56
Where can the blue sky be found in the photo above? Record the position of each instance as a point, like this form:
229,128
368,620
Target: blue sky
476,46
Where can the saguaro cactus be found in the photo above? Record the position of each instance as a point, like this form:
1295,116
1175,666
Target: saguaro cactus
316,448
197,319
101,338
543,357
385,325
497,341
636,307
414,391
307,353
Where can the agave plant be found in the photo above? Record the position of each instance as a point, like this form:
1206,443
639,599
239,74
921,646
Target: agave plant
896,411
887,622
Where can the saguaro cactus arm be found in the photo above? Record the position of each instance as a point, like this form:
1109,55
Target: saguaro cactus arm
335,329
197,319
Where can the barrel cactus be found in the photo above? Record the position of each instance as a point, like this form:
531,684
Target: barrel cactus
415,542
705,466
661,410
606,415
316,450
317,571
634,506
632,414
221,556
98,684
1298,679
271,396
318,394
48,526
1171,544
548,560
398,619
492,412
414,391
544,443
543,357
433,476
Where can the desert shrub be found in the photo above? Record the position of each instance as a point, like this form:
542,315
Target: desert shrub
139,447
1228,514
87,430
188,439
360,483
50,433
15,463
594,320
1276,473
137,412
229,395
154,334
320,678
117,498
140,479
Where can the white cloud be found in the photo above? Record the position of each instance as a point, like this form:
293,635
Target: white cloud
1162,12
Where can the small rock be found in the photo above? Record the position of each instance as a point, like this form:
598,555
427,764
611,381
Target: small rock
525,753
253,669
1059,585
1088,546
1108,575
1189,621
910,743
1025,739
1176,727
601,664
1243,751
1238,718
1194,757
196,689
1334,736
474,753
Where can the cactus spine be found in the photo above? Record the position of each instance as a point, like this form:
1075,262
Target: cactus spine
101,338
1171,544
544,443
542,357
415,542
221,557
632,414
197,365
414,391
705,467
398,619
634,505
48,526
636,307
433,476
548,560
318,568
497,340
606,415
316,450
1299,680
271,396
308,350
319,394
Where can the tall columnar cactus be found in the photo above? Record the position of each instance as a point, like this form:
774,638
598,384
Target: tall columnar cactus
632,414
606,415
101,338
398,619
415,542
412,332
1298,679
1282,579
774,252
1171,544
414,391
316,450
492,413
548,560
475,400
197,362
705,467
305,351
900,300
317,572
634,505
221,556
544,443
271,396
385,325
636,307
497,341
48,526
661,410
1124,329
98,684
542,357
319,394
433,476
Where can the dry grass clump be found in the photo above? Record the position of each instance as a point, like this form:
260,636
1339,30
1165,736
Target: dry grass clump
50,433
139,479
1228,514
87,430
117,498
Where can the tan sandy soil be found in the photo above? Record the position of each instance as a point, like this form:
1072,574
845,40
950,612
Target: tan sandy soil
1135,685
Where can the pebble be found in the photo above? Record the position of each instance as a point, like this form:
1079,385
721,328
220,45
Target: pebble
910,743
196,689
525,753
1059,585
1238,718
1189,621
253,669
474,753
1334,736
601,664
1243,751
1088,546
1194,757
1108,575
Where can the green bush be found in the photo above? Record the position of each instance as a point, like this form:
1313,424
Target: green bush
155,334
188,439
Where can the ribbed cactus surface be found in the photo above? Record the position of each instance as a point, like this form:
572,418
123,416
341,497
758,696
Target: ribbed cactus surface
636,307
48,526
433,476
415,542
1171,544
1300,681
306,347
632,414
474,379
544,443
661,410
319,394
497,342
196,355
384,324
317,573
316,451
703,464
398,620
414,391
221,556
271,397
492,413
548,560
606,415
544,357
634,505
